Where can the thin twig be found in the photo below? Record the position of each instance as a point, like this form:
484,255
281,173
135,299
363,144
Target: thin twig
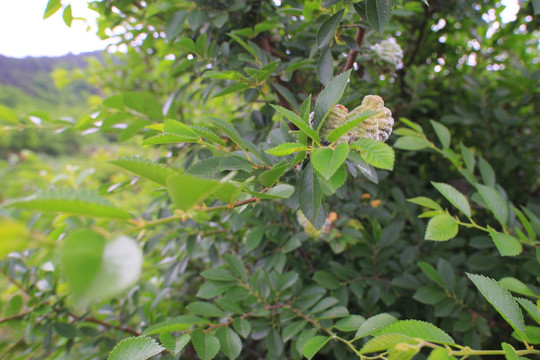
351,57
94,320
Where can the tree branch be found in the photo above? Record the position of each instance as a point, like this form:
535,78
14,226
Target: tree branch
351,57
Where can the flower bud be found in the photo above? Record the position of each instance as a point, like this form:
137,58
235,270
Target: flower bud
337,116
378,126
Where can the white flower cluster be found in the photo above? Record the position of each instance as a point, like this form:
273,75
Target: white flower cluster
389,51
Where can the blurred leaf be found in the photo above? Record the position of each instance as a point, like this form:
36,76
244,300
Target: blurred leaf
411,143
286,149
325,67
385,341
328,28
442,133
205,309
178,323
206,345
231,345
378,14
328,98
8,115
67,15
13,237
425,202
174,345
146,168
52,7
309,194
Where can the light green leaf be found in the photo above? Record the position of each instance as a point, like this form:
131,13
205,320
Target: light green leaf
455,197
441,228
242,327
135,348
375,153
440,354
506,244
52,7
186,191
292,329
235,136
218,274
517,286
8,115
67,15
330,186
314,345
502,301
325,67
207,133
418,329
334,313
509,352
231,345
286,149
326,280
146,168
243,44
468,157
531,309
309,193
15,236
378,14
297,120
349,124
254,238
205,309
374,324
76,202
486,171
411,143
280,191
174,345
269,177
328,28
206,345
327,161
494,202
167,139
417,128
178,323
425,202
173,127
385,342
328,98
431,272
350,323
442,133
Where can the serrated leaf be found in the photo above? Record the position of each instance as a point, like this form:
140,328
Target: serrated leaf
269,177
328,28
207,133
494,202
135,348
174,345
173,127
350,323
431,272
375,153
254,238
286,149
509,352
411,143
297,120
218,274
309,193
531,309
205,309
167,139
231,345
178,323
280,191
486,171
145,168
327,161
441,228
468,157
242,327
517,286
314,345
76,202
425,202
442,133
330,186
186,191
385,342
234,135
349,124
502,301
292,329
455,197
206,345
378,14
506,244
419,329
374,324
328,98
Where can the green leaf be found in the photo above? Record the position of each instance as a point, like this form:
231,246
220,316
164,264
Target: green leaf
486,171
292,329
207,133
385,342
531,309
418,329
425,202
254,238
314,345
242,43
324,304
429,294
166,139
231,345
286,149
242,327
175,25
334,313
447,274
178,323
455,197
67,15
494,202
411,143
309,194
325,67
363,167
328,28
327,161
297,120
506,244
145,168
218,274
509,352
75,202
8,115
135,348
280,191
269,177
328,98
186,191
441,228
517,286
174,345
502,301
374,324
173,127
326,280
440,353
417,128
205,309
206,345
349,124
468,157
350,323
378,14
442,133
15,236
66,330
234,135
52,7
375,153
431,272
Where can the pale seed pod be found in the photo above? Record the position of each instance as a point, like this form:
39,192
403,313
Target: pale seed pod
378,126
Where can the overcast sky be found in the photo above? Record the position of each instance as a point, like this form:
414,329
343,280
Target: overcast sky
23,32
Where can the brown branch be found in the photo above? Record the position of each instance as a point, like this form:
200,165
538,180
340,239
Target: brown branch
228,207
351,57
94,320
418,43
16,316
